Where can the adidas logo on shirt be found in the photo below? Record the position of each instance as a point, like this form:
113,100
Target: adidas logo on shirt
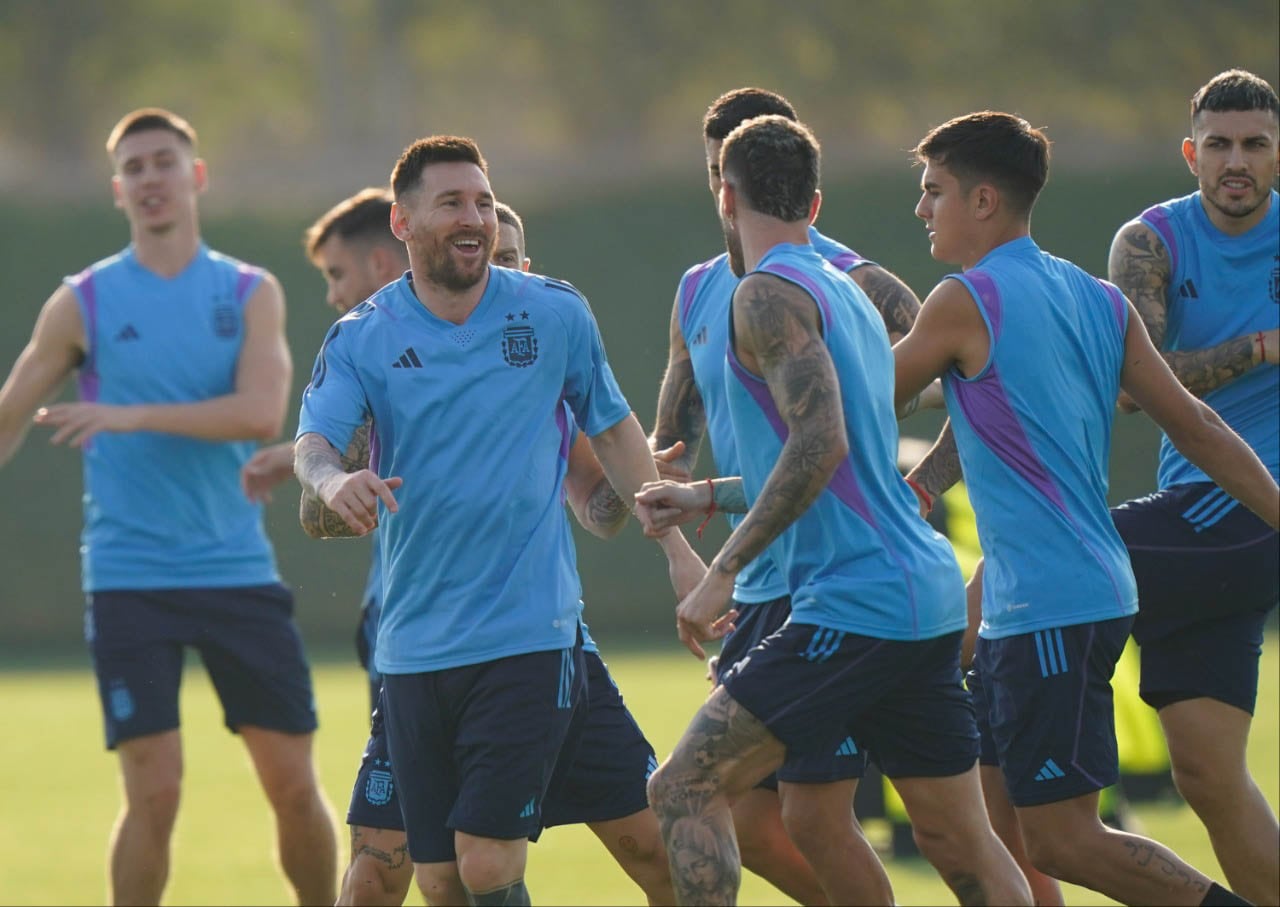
408,359
1050,771
128,332
1188,290
700,337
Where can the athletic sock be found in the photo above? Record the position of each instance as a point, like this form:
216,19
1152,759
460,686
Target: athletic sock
1222,897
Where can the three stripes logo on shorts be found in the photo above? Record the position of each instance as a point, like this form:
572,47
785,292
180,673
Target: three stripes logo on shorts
1053,656
823,644
408,359
1209,509
1050,771
529,808
847,747
651,767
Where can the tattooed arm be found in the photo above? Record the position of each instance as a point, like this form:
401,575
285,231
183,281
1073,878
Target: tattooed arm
680,416
940,467
592,499
777,334
1139,265
898,306
339,492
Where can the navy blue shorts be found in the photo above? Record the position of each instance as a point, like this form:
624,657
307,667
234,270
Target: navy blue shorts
603,780
246,638
1215,658
756,623
473,748
1045,709
374,803
1197,555
834,695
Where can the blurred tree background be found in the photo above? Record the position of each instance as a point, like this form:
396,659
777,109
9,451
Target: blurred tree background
589,112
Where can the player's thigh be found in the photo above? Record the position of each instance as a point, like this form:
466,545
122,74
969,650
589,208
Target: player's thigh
253,652
375,801
136,640
724,745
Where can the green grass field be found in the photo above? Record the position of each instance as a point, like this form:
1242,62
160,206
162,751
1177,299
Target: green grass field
59,793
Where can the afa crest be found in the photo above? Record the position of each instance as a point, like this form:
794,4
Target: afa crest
122,707
519,344
225,323
379,787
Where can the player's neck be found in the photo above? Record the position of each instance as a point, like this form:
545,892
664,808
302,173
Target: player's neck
448,305
993,238
167,253
759,234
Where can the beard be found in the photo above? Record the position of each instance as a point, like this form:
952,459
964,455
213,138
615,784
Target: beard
1240,208
444,271
733,245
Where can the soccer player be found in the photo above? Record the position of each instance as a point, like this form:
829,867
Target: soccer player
1033,352
1203,272
182,366
691,404
463,367
602,786
353,247
869,659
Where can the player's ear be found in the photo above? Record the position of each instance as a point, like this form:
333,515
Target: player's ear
985,200
1189,154
524,264
815,206
399,222
728,201
117,195
200,170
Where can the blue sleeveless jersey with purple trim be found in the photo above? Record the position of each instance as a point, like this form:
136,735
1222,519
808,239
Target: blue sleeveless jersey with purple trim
166,511
1221,287
478,562
860,559
1034,433
705,293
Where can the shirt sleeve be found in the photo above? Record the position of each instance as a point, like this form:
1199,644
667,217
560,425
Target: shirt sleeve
334,404
591,390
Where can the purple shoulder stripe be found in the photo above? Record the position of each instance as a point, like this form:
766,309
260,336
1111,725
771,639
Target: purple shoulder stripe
689,287
88,381
1157,218
797,276
986,406
847,260
246,279
1119,305
562,423
988,298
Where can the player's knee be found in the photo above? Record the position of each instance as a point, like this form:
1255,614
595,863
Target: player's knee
439,883
293,796
156,804
488,868
659,789
370,881
1051,851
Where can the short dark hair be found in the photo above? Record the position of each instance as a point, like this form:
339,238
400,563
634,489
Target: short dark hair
507,215
1235,89
434,149
997,147
774,163
145,119
364,216
734,107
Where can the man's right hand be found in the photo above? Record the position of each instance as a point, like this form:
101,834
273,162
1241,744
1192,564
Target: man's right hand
354,496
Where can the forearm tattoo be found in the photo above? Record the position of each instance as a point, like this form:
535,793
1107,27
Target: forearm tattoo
940,468
893,299
314,457
729,495
604,508
778,328
1202,371
681,416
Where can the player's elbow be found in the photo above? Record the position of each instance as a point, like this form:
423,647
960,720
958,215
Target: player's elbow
263,424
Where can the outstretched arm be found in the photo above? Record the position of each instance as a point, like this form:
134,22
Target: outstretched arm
55,349
681,417
1194,428
898,305
1139,265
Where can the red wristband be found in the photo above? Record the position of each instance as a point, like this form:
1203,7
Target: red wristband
924,495
710,510
1262,347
